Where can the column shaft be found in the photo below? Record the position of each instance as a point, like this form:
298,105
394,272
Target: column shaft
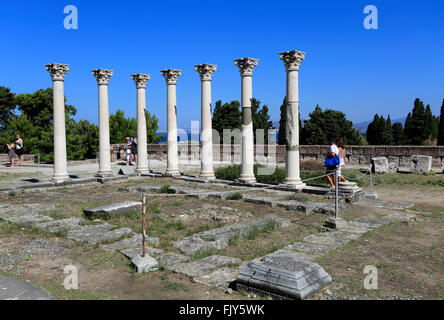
104,140
60,161
142,153
247,166
206,136
172,161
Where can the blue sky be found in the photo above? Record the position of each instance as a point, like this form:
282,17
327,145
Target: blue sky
348,68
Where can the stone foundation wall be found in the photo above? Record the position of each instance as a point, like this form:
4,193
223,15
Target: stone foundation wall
354,154
26,158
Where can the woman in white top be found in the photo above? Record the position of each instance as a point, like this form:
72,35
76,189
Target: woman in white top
341,154
19,150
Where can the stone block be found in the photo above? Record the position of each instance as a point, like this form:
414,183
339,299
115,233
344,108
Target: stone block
112,210
393,159
335,223
145,264
364,159
311,248
283,276
355,150
380,151
369,150
393,167
353,159
421,164
380,165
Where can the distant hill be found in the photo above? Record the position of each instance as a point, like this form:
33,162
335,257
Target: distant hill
362,126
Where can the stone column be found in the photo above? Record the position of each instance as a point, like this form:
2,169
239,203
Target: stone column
292,60
206,136
171,76
102,77
142,153
246,66
58,72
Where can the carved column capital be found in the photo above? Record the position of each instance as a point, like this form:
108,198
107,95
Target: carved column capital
57,71
171,75
292,59
102,76
205,71
246,65
141,79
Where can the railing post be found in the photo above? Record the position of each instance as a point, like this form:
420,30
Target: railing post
336,194
144,225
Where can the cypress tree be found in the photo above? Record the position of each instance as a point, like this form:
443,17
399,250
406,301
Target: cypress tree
429,122
282,140
441,126
408,128
388,133
416,133
398,134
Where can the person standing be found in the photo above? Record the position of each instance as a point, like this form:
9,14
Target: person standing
11,154
127,150
134,149
341,154
19,150
332,153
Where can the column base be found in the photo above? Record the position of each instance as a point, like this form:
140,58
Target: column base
247,178
103,174
294,182
172,172
207,175
60,178
142,171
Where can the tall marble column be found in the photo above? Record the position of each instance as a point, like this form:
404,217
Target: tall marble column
142,154
58,72
292,60
102,77
171,76
206,136
246,66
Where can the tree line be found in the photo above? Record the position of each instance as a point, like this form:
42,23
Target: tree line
31,116
421,127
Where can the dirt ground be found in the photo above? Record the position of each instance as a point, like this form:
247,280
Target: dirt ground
409,255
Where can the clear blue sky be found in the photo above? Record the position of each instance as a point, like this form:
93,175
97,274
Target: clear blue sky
347,67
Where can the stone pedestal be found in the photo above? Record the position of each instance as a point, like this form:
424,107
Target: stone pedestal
102,76
58,72
380,165
292,61
335,223
145,264
206,136
421,164
246,66
142,152
171,76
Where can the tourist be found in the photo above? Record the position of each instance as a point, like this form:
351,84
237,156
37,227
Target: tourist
127,150
341,154
134,149
331,162
11,154
19,150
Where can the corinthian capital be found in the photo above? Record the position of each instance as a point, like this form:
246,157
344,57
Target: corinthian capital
102,76
246,65
57,71
171,75
292,59
141,79
205,71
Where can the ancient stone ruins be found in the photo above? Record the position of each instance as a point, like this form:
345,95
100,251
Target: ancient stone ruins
291,59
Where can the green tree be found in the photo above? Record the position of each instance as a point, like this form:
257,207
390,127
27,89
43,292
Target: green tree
282,139
152,125
324,125
441,126
261,118
375,131
121,127
416,134
429,126
408,128
7,106
398,134
226,116
388,132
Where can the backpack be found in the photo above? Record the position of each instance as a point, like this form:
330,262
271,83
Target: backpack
332,161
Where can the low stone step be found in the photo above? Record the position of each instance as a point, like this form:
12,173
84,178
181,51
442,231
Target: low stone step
343,235
135,241
131,253
221,278
330,241
36,220
378,221
112,210
311,248
95,234
61,225
204,266
171,259
292,254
